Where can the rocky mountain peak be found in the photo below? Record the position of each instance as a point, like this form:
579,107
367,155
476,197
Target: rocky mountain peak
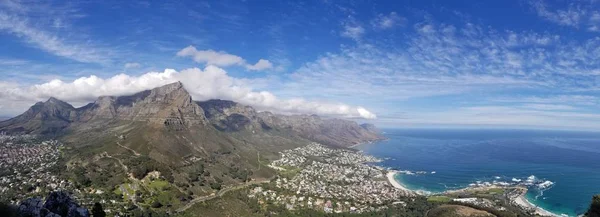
175,86
57,103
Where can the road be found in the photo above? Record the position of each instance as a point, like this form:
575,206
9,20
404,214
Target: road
125,147
219,194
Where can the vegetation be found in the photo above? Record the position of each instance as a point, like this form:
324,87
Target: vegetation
237,203
456,211
141,166
439,199
594,210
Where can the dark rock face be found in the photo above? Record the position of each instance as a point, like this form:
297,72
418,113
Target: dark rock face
31,207
58,204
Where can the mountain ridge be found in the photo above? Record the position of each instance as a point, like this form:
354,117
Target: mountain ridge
172,106
197,147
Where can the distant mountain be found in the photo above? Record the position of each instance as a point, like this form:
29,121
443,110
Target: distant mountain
334,132
42,118
231,116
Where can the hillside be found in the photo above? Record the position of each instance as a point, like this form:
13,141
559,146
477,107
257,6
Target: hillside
114,142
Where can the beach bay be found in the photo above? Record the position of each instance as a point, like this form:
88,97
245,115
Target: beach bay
559,168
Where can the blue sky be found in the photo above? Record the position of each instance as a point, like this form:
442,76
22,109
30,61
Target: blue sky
521,63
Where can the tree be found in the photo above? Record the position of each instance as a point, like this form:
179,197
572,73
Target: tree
97,210
156,204
216,186
594,210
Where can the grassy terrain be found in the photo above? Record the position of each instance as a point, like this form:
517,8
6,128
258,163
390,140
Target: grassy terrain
457,211
231,204
439,199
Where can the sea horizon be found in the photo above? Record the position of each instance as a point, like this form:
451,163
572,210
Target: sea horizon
556,165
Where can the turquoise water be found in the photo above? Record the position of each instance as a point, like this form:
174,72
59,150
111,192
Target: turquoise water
561,169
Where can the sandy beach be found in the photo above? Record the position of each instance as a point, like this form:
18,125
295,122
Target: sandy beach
390,176
523,202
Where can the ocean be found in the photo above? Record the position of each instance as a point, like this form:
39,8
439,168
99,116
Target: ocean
560,168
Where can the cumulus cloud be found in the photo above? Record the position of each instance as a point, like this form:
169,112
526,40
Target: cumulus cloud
262,64
221,59
209,83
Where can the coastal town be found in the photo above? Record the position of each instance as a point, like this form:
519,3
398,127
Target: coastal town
26,165
31,167
334,180
317,177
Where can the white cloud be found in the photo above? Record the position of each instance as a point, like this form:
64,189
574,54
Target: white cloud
353,30
576,14
132,65
387,21
211,57
260,65
440,59
12,62
16,20
209,83
570,16
221,58
549,107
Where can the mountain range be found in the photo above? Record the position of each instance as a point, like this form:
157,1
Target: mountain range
168,127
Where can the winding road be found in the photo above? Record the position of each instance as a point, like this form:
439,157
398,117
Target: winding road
219,194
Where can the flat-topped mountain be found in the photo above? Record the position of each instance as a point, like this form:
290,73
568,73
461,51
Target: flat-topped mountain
164,125
166,104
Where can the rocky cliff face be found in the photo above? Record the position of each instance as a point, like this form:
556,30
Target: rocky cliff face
58,204
335,132
230,116
169,105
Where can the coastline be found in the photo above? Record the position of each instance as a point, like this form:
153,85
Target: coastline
391,178
522,201
366,142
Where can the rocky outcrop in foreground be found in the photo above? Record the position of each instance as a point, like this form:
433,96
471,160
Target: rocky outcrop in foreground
58,204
